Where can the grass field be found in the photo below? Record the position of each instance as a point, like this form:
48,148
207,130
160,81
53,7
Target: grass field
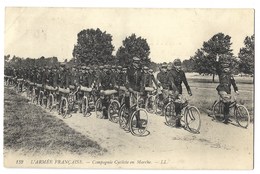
205,93
29,129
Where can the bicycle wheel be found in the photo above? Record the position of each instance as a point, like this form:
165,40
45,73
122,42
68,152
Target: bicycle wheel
91,102
40,98
192,119
242,116
84,107
34,97
170,114
158,106
50,102
64,107
123,117
99,109
139,122
113,111
150,104
218,111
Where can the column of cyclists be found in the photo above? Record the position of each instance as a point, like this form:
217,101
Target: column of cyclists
123,95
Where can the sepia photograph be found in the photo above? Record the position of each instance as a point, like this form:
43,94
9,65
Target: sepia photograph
129,88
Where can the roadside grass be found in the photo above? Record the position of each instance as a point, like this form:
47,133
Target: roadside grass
29,129
204,95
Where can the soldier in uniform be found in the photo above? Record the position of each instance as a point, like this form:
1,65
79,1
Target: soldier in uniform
177,76
134,85
226,79
107,82
164,85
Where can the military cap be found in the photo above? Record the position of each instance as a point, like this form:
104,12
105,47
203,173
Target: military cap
135,59
124,68
113,67
87,68
101,67
177,62
150,70
164,65
119,67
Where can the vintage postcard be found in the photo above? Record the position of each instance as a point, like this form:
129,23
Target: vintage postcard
124,88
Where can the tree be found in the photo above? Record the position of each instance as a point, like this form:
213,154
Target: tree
247,55
93,47
133,47
188,65
205,57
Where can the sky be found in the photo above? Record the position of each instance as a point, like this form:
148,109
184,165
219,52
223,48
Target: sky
170,33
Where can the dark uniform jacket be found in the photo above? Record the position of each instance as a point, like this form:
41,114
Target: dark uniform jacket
121,79
107,81
74,78
225,81
135,79
64,79
177,77
149,80
163,78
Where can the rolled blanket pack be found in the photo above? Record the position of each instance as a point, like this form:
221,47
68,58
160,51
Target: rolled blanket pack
85,89
109,92
50,88
65,91
39,85
149,89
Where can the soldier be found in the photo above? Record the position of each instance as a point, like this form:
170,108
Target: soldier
164,85
177,76
226,79
134,85
107,82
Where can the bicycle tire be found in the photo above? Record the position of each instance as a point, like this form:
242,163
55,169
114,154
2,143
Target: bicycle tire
64,107
123,118
113,111
85,107
218,111
138,128
170,114
99,109
158,107
192,119
50,102
242,118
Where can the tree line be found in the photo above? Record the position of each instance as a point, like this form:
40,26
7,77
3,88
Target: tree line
94,47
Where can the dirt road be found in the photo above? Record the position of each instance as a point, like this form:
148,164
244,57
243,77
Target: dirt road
217,146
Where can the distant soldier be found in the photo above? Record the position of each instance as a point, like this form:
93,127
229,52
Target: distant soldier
226,79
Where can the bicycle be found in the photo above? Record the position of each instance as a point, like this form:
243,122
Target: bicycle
20,85
88,101
67,101
99,106
138,120
40,98
52,99
241,114
189,114
115,105
150,101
